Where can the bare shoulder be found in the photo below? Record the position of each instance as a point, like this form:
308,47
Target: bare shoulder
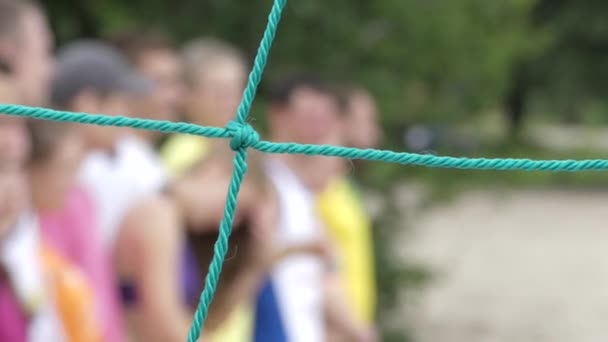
154,207
153,218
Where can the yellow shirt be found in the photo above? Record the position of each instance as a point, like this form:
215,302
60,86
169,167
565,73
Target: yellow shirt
347,223
238,327
182,151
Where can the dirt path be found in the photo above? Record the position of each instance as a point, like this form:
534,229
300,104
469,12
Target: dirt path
514,267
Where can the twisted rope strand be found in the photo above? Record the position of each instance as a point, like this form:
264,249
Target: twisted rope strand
118,121
260,60
429,160
221,246
233,130
243,136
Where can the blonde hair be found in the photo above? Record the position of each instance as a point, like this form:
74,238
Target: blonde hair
202,53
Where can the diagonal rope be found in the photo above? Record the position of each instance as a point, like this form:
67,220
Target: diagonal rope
260,60
243,136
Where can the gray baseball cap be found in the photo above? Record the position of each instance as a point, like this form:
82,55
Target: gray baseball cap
90,64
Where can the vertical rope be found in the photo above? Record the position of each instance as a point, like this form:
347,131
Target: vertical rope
221,246
242,136
260,60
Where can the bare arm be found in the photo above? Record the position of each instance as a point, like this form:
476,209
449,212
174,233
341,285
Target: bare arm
150,245
245,287
339,313
202,196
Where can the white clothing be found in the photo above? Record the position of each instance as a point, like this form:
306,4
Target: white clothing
138,160
298,280
20,255
116,182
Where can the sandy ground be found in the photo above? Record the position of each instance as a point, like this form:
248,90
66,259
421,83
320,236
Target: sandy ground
513,266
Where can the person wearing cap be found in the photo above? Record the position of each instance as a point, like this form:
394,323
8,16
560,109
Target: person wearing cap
135,222
93,77
153,55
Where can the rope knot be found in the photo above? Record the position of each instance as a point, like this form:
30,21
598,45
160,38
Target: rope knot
243,135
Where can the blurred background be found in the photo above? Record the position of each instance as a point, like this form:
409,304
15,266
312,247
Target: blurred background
461,255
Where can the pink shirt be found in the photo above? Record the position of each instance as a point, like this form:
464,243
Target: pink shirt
72,232
13,322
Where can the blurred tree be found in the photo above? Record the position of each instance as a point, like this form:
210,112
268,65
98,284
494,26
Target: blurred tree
425,60
571,73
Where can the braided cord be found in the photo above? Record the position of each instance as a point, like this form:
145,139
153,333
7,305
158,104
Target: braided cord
243,135
429,160
107,120
221,246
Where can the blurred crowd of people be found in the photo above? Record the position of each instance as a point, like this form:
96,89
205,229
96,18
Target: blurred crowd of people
106,233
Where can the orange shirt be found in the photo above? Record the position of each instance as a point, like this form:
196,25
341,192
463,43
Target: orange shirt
73,298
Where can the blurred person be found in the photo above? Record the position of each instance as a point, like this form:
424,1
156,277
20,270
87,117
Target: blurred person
93,77
148,254
153,56
341,209
230,315
42,295
137,224
25,50
67,215
302,293
215,75
362,128
26,303
252,251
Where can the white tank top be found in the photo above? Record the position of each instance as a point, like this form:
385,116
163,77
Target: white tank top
298,280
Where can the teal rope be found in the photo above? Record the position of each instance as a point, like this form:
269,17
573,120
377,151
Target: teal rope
107,120
244,136
260,60
428,160
221,246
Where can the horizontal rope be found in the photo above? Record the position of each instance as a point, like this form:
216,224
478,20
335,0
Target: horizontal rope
428,160
404,158
109,120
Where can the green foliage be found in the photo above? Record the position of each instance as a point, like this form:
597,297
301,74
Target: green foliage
571,73
426,60
434,60
394,278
